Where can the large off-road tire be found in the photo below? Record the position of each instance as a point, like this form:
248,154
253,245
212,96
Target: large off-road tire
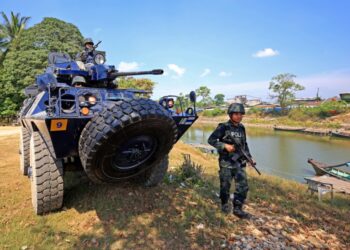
125,139
24,157
155,174
46,177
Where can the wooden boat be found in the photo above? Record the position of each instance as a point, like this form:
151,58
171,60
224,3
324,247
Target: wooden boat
291,129
340,134
340,171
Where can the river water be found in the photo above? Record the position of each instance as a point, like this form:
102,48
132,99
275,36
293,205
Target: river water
282,153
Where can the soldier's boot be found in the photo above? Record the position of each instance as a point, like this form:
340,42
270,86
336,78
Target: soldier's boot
238,211
225,208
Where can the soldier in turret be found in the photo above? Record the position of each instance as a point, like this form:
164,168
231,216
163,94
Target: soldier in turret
87,55
232,167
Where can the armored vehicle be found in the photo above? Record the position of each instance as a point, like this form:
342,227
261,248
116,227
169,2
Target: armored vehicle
76,118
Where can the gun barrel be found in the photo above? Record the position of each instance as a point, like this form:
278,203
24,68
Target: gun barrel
134,73
96,45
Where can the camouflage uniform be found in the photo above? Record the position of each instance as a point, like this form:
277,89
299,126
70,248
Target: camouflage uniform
230,169
87,55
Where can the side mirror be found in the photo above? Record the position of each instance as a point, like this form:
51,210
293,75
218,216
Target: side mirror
193,96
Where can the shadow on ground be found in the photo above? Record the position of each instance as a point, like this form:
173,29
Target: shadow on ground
131,216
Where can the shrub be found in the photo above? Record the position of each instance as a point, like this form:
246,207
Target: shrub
325,110
214,112
255,111
189,171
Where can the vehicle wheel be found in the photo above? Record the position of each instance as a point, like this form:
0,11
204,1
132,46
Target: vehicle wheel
125,139
24,142
46,177
155,174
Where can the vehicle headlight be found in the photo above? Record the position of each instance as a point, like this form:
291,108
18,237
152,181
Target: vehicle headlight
87,100
99,59
92,100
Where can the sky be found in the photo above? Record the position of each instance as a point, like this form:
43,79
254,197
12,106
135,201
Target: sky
232,47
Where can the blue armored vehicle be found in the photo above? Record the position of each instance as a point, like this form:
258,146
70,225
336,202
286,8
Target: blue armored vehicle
76,118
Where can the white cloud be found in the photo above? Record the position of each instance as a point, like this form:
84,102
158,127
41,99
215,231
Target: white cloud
177,69
225,74
128,66
268,52
205,72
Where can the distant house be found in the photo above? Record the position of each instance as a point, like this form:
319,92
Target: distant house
345,97
238,99
307,102
244,100
253,102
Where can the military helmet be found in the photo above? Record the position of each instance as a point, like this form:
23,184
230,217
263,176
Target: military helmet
78,80
236,108
88,40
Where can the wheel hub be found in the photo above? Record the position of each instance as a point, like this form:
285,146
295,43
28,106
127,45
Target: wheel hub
134,152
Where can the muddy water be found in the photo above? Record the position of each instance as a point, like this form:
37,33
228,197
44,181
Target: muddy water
284,154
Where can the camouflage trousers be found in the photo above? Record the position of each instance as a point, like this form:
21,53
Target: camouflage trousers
238,173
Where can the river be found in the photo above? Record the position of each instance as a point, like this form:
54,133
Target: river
282,153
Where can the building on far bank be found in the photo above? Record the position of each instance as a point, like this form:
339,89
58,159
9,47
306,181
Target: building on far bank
345,97
244,100
238,99
306,102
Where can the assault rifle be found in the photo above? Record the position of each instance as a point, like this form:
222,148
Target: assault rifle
96,45
240,150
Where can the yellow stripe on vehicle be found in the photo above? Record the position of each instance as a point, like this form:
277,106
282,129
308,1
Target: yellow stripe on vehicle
59,125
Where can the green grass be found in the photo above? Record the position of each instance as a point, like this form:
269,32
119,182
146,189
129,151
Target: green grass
127,216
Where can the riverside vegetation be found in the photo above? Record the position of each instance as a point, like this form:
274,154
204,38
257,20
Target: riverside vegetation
329,115
182,213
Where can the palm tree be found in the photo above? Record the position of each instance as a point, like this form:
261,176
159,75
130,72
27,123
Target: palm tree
9,30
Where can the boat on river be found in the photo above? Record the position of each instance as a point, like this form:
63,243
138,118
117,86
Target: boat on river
340,134
286,128
340,171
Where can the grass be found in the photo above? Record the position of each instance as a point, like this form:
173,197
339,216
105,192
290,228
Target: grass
270,121
178,214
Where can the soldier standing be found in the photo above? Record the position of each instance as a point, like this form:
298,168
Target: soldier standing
231,164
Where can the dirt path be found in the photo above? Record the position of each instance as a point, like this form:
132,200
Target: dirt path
7,130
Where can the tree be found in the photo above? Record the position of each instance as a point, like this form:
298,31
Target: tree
184,99
10,30
27,57
219,99
285,87
134,83
203,92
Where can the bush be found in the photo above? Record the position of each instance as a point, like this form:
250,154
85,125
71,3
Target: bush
255,111
214,112
325,110
190,172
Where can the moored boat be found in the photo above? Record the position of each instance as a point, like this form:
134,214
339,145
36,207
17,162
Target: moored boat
340,134
341,171
286,128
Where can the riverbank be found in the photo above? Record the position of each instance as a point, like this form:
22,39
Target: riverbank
324,127
175,215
